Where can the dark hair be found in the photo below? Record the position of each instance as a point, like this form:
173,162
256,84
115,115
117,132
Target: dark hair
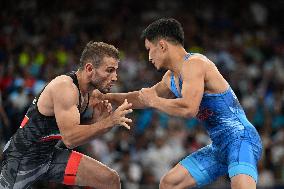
94,52
166,28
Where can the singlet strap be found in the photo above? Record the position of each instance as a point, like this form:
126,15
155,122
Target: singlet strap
173,84
87,104
75,81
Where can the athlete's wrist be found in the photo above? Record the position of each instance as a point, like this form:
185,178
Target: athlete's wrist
153,103
107,122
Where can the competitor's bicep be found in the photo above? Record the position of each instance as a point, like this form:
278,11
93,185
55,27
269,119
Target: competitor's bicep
162,89
65,108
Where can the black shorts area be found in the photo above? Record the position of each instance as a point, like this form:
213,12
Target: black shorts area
18,173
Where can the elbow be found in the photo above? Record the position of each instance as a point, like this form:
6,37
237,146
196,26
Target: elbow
68,142
190,113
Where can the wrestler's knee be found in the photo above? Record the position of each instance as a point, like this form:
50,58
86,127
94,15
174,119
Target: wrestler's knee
171,180
112,177
167,182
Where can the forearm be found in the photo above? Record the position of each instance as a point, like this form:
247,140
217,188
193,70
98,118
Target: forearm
175,107
132,97
81,134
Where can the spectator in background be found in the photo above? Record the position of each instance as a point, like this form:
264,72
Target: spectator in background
249,52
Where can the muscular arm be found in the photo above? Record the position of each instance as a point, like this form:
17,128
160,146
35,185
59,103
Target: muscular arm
192,91
161,89
65,97
132,97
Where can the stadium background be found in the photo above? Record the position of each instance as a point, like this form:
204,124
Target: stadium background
42,39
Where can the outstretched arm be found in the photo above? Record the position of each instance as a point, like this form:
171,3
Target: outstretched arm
161,89
68,117
117,98
192,91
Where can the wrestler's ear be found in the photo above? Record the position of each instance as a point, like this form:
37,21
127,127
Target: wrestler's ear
163,45
89,67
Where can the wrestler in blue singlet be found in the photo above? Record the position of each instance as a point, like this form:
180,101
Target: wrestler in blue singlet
236,146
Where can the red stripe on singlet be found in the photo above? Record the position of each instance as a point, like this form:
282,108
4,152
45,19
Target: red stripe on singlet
48,138
24,122
72,168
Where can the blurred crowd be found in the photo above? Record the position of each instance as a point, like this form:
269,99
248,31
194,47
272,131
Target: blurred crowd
41,39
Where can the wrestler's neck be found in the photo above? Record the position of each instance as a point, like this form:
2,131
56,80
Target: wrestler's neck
83,82
176,59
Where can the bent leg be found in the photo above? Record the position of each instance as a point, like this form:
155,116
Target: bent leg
95,174
198,169
243,158
73,168
177,178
